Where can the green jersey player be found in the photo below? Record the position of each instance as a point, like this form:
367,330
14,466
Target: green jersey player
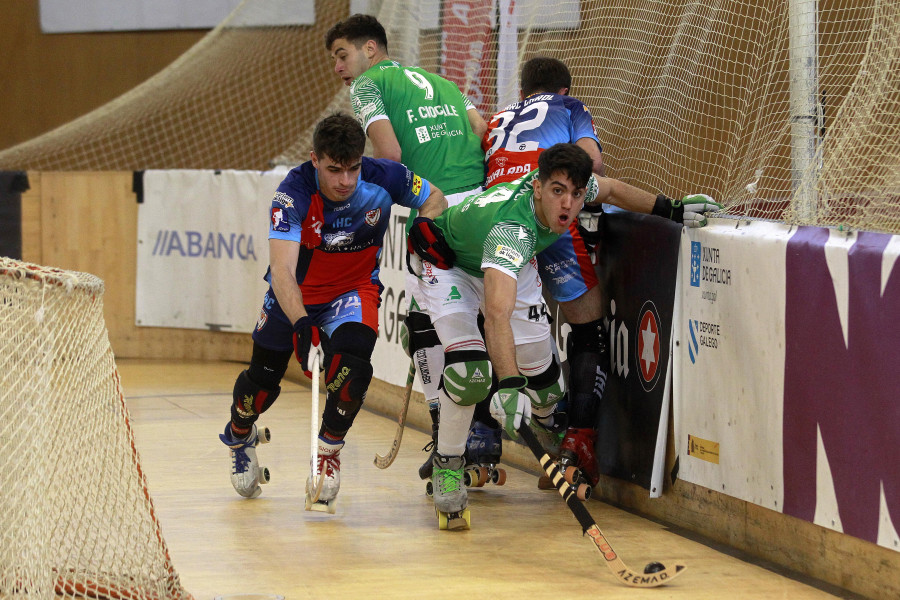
424,121
495,236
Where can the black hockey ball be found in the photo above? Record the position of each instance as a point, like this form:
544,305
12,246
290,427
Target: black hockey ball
654,567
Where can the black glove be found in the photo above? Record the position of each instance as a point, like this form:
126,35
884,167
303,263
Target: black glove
427,241
589,224
691,210
306,337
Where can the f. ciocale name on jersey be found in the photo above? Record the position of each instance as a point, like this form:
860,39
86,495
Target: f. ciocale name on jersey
431,112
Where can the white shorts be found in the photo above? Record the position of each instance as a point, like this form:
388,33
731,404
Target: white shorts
455,291
413,289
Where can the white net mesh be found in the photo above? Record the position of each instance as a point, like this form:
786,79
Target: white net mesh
783,110
76,519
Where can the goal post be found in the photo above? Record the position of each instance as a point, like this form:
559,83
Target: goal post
76,517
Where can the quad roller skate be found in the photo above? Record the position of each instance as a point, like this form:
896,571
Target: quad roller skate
246,474
483,450
322,491
577,462
450,496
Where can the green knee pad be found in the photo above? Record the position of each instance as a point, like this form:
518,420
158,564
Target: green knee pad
467,376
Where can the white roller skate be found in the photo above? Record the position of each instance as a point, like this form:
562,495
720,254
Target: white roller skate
246,474
321,492
450,495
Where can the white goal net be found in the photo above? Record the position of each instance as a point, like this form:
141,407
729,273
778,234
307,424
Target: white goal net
76,518
782,109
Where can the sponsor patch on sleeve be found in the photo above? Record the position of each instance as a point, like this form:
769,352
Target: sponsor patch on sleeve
280,220
416,185
509,254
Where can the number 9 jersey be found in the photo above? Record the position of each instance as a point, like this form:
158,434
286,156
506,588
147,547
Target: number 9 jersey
517,134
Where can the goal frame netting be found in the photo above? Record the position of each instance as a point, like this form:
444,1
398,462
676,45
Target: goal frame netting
77,518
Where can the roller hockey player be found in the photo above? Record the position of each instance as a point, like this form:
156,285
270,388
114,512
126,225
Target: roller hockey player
327,224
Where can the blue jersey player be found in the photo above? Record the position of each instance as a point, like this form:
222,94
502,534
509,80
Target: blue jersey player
327,223
516,136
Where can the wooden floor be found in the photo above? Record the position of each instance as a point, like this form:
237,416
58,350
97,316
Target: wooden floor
383,542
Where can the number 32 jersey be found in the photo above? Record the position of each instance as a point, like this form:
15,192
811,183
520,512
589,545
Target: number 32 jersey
517,134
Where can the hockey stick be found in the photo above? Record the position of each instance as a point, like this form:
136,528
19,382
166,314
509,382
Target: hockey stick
317,478
657,575
383,462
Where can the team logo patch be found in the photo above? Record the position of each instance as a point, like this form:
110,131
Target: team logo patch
338,239
416,185
373,216
422,134
648,343
510,254
282,198
280,220
501,161
262,320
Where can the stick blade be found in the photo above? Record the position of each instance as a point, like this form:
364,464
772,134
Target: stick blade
648,580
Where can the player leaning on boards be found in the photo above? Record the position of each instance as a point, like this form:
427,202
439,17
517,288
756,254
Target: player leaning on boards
544,116
327,224
495,236
423,120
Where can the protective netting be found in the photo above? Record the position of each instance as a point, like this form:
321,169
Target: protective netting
781,109
76,519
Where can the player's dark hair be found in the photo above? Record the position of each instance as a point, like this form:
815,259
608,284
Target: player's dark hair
568,159
545,74
340,137
357,29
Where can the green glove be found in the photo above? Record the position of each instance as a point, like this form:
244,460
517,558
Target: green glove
510,406
691,210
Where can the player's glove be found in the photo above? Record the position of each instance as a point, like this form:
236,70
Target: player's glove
307,343
691,210
426,241
589,224
510,405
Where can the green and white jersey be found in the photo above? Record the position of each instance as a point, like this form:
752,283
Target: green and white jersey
428,115
498,228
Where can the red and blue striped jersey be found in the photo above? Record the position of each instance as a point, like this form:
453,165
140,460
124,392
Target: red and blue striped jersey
517,134
341,241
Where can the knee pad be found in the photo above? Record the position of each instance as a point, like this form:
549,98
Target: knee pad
421,332
546,387
250,400
467,376
347,381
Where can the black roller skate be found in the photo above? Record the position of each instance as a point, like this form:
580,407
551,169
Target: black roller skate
483,450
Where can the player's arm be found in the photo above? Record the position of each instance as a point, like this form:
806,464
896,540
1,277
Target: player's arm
384,140
623,195
590,146
479,126
283,257
434,204
691,210
499,302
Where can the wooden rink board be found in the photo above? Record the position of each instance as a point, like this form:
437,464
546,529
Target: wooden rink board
383,541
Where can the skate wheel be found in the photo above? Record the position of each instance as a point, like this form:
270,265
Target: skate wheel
498,476
263,436
451,521
583,491
545,483
473,477
571,475
483,475
429,489
264,475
